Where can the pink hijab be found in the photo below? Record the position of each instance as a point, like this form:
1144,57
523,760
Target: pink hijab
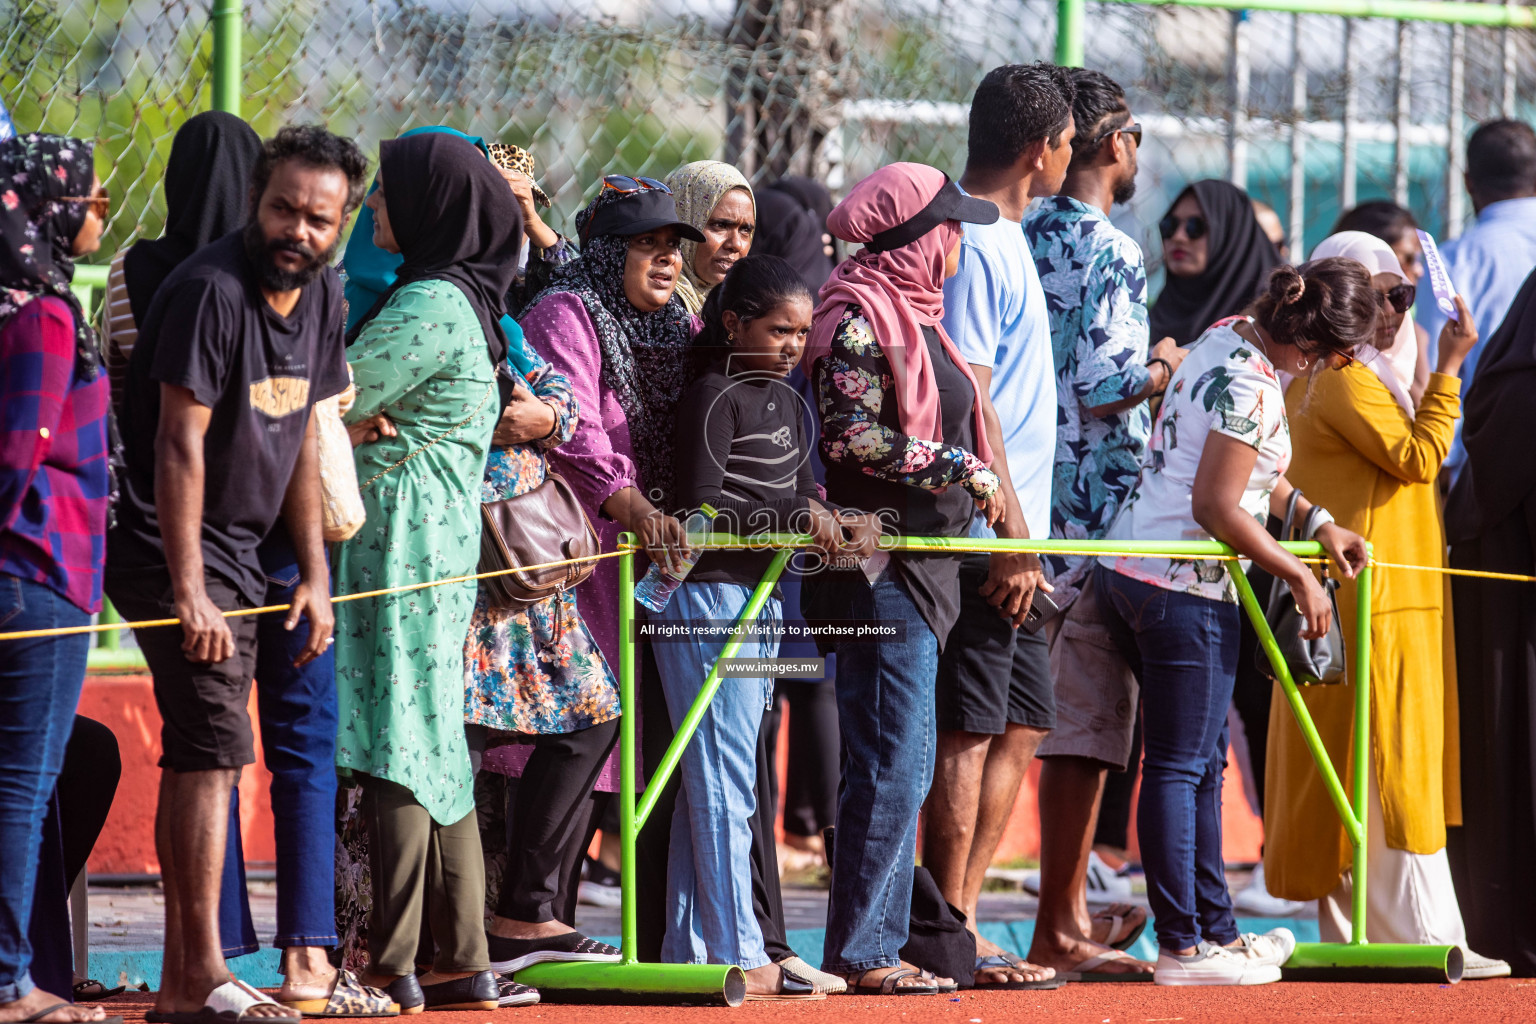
901,292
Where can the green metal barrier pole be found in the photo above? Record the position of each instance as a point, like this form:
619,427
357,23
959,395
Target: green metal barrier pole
1485,15
1363,766
1250,603
1070,15
629,704
690,722
227,26
629,981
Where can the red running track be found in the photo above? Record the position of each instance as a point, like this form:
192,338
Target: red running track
1506,1001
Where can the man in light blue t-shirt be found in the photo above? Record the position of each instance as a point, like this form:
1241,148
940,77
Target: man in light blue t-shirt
994,685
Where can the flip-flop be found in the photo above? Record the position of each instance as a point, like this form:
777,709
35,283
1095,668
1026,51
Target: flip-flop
1088,970
1004,963
792,988
45,1011
348,998
172,1017
890,984
1117,921
83,993
231,1003
944,987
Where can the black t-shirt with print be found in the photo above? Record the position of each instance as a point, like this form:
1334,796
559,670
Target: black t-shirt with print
211,331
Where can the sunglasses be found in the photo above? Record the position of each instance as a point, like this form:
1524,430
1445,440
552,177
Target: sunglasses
101,202
1399,297
1194,227
625,184
1339,360
1133,129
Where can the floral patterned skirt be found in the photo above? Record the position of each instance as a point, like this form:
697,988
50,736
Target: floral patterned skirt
536,671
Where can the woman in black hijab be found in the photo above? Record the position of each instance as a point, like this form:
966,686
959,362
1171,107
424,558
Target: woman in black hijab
1490,521
792,226
423,360
207,190
1217,257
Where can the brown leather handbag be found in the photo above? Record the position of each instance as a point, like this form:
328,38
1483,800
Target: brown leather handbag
547,524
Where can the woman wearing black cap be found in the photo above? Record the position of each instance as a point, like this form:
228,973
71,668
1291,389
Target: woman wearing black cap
610,323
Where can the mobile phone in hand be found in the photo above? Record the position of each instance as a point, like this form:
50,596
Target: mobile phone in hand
1041,610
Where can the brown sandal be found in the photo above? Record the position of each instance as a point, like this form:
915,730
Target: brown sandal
890,985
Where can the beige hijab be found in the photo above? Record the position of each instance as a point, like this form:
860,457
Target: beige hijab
697,187
1394,365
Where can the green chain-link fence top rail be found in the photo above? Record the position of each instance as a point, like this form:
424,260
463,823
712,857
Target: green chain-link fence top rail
827,87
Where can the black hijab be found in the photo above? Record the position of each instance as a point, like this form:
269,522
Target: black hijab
207,195
39,174
1240,258
817,198
786,228
455,220
1498,418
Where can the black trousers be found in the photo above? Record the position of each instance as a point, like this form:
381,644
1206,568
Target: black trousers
549,821
74,819
1114,827
815,755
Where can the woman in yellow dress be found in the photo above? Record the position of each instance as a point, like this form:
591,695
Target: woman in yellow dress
1362,452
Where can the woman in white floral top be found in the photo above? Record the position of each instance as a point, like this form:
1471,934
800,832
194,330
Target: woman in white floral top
1215,470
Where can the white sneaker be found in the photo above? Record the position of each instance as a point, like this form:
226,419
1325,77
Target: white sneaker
1477,967
1213,965
1273,947
1105,885
1256,901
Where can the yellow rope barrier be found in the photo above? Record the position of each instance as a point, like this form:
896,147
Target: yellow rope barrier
625,549
29,634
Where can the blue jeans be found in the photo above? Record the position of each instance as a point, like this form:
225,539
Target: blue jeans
297,709
1183,648
885,706
40,683
709,865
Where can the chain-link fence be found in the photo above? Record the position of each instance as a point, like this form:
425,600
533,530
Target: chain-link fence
1311,112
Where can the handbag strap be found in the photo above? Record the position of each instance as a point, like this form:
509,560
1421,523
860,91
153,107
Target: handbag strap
1275,597
445,434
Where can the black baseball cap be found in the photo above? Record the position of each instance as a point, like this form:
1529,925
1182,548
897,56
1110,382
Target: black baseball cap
639,212
949,204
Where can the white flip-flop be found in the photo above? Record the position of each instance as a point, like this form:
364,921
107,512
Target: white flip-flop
231,1002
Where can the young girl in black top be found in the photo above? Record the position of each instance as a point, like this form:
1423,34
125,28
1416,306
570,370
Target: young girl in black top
743,447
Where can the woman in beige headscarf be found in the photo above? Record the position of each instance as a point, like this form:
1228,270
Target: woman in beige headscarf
717,199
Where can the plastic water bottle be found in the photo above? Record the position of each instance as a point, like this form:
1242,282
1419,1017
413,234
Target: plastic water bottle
658,584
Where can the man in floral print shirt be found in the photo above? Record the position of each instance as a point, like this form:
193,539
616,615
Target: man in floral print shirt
1096,290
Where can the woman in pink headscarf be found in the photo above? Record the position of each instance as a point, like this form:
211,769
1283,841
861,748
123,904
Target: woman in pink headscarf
902,437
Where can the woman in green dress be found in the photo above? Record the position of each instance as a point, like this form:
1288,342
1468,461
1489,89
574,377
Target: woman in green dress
423,361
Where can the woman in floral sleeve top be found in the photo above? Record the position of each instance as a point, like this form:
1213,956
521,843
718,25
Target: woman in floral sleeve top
852,385
903,440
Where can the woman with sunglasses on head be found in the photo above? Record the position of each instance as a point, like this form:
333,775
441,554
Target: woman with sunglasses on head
1409,355
612,324
54,494
1217,259
1215,470
1362,451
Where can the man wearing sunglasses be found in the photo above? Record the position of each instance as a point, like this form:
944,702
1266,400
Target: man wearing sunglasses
1095,279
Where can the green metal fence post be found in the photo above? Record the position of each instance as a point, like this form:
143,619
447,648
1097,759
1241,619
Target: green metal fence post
685,729
1070,16
227,60
629,981
1363,766
628,705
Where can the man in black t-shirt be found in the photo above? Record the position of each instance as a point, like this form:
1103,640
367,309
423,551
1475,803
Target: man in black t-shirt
240,342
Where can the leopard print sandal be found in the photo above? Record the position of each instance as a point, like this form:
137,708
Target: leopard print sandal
349,998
